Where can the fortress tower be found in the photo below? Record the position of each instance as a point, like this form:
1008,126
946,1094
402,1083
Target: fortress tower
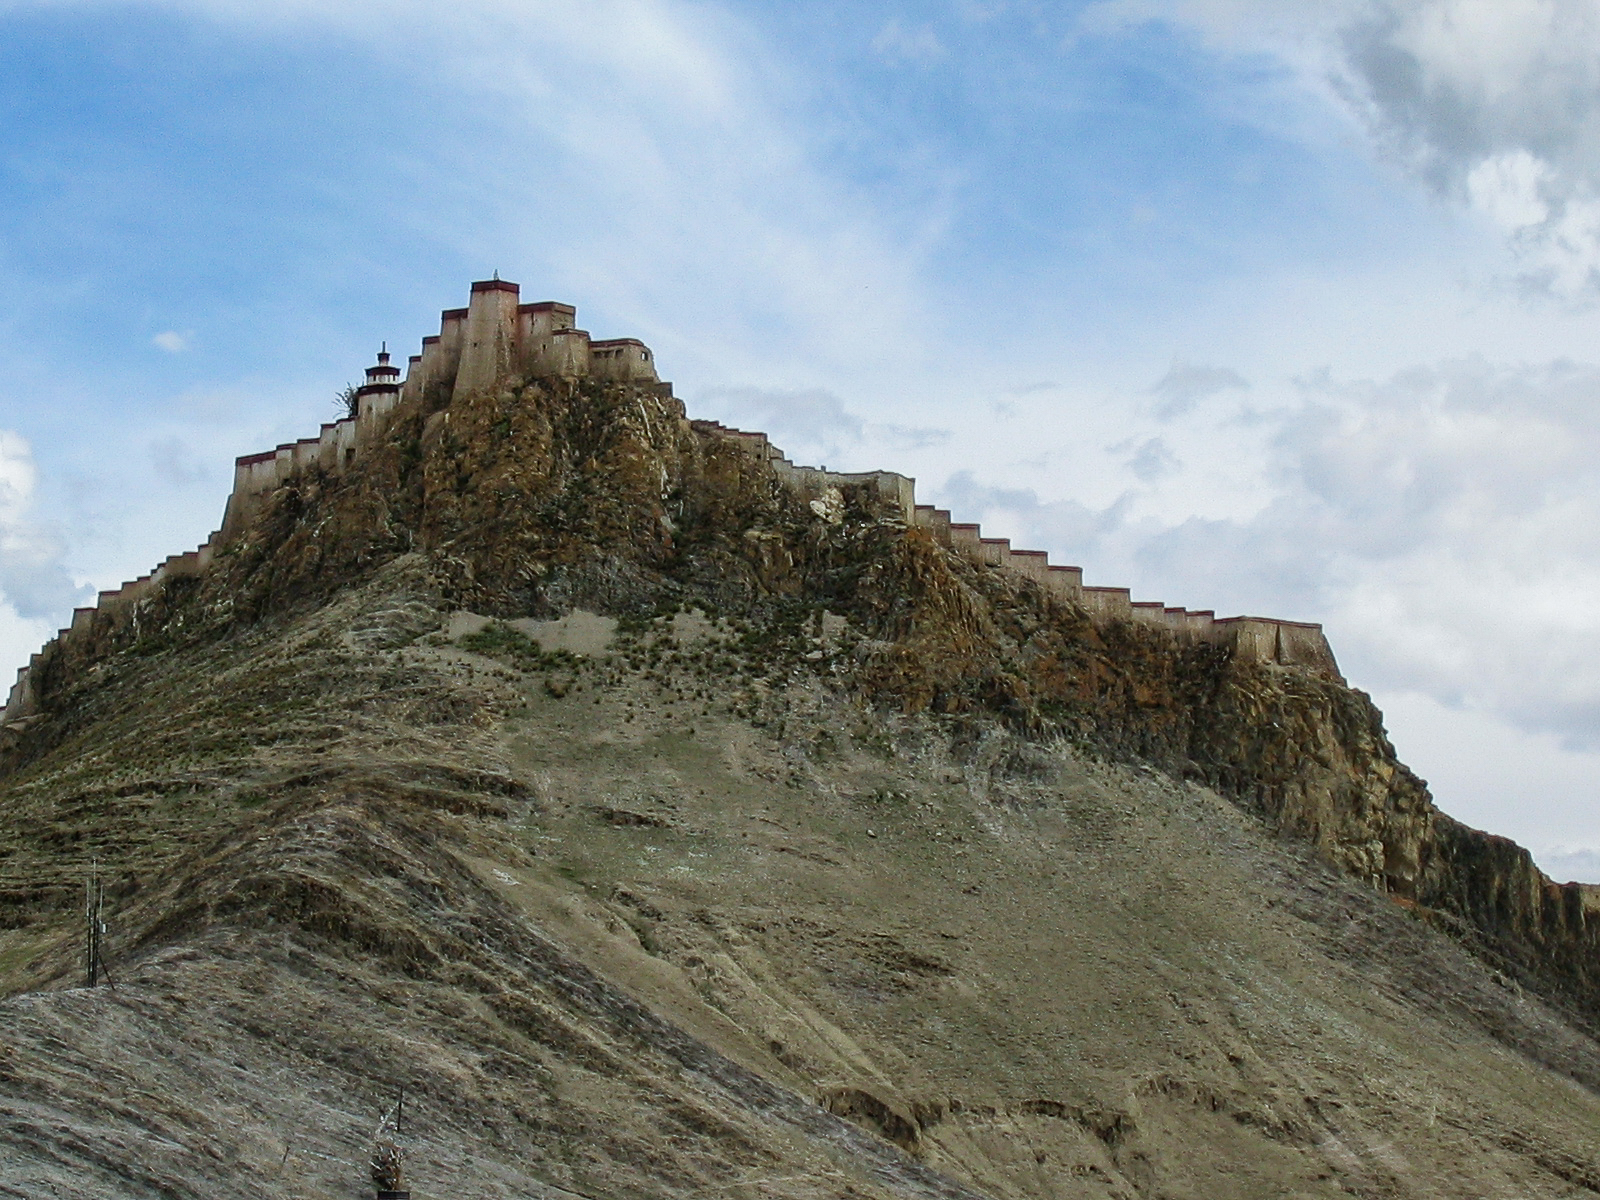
489,336
383,382
497,337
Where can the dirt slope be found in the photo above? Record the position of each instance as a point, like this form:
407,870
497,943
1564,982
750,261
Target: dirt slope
643,930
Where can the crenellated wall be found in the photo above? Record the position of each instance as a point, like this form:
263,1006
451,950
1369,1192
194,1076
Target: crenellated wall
495,338
1260,639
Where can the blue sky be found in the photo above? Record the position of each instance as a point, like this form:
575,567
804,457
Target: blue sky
1283,308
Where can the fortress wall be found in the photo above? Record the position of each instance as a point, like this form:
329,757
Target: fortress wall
253,476
811,482
373,417
489,340
327,451
537,325
1305,645
965,539
899,491
185,565
256,472
569,352
1288,643
125,597
935,520
756,444
1253,638
1108,603
540,320
423,370
189,564
808,481
626,360
21,701
489,336
1033,564
452,331
1065,583
1148,612
344,442
336,446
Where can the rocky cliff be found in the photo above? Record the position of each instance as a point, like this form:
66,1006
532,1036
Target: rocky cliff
550,635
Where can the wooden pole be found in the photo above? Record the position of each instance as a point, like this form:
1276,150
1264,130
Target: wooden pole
91,906
94,893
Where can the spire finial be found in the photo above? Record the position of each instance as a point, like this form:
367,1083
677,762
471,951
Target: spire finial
497,276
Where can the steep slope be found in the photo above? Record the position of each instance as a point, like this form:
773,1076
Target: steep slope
664,829
619,938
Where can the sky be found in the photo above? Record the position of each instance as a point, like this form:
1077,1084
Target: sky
1262,306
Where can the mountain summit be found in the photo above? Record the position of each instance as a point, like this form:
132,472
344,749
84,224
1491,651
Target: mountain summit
662,818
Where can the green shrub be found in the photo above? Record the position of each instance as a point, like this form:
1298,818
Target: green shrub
499,640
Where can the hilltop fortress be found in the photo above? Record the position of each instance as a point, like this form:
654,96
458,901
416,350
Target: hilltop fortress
496,338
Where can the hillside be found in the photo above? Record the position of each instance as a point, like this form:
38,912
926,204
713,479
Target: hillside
671,821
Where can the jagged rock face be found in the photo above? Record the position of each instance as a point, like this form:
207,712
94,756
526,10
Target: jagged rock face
1487,891
838,823
532,500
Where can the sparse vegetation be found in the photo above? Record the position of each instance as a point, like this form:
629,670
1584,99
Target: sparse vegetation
346,402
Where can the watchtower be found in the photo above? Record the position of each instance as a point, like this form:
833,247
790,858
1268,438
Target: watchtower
382,387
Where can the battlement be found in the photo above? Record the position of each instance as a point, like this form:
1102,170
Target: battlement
495,339
1260,639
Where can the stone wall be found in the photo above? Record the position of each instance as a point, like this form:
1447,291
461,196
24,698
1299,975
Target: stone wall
1261,639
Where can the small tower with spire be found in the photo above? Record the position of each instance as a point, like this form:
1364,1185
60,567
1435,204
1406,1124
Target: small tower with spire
382,385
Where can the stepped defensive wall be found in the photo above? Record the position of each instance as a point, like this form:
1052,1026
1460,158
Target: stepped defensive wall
496,338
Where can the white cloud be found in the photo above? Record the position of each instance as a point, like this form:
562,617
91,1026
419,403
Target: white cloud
1153,459
34,584
173,342
1506,188
1521,785
1186,384
1564,863
1494,104
812,426
1443,522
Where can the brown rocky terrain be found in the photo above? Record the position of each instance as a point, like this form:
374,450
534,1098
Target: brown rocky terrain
661,836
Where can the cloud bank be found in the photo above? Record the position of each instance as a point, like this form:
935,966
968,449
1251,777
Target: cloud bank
1494,105
1444,522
